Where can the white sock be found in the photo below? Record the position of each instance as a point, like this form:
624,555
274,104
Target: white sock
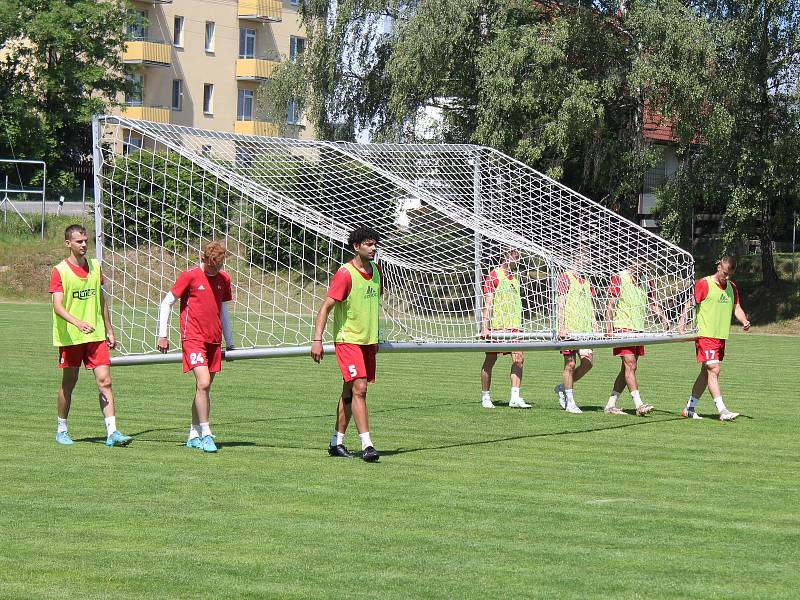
612,399
720,404
204,429
61,424
193,432
337,438
691,403
365,440
111,425
485,395
514,393
637,401
568,395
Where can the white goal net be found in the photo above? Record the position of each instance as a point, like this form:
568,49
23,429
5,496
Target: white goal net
448,216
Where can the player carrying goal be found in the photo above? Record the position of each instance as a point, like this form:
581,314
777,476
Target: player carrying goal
717,298
355,298
629,297
502,311
204,292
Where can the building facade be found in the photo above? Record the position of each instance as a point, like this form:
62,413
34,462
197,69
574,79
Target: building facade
200,63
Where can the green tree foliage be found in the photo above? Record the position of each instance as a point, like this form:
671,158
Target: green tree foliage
726,73
61,63
164,199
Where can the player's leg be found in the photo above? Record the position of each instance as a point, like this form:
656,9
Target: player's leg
713,370
486,379
586,364
631,363
569,381
619,385
699,386
202,406
517,362
102,377
361,418
344,412
69,377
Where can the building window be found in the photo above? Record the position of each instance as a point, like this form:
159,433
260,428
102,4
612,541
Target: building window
177,94
294,114
247,43
244,105
177,32
135,96
131,144
137,30
654,177
297,46
208,98
293,2
209,36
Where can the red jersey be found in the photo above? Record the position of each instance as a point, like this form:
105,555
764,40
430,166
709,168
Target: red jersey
616,283
562,287
341,284
82,272
701,291
492,281
201,297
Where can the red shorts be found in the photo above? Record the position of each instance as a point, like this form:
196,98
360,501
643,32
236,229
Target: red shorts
709,349
202,354
629,351
91,354
356,361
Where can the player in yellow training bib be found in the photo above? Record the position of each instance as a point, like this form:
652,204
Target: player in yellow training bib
82,332
717,299
355,298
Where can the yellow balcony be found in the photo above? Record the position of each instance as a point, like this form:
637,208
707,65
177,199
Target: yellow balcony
254,68
260,10
146,113
147,53
261,128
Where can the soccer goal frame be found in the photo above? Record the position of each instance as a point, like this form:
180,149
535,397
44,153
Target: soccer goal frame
284,208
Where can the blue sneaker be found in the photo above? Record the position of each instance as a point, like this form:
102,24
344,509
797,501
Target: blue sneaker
62,437
195,442
117,439
207,443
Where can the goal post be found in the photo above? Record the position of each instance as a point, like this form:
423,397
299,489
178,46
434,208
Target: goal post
284,209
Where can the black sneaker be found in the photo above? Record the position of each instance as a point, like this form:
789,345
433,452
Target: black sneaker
339,451
370,454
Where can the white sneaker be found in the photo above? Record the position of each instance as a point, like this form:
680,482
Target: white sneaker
572,408
487,403
690,413
518,403
726,415
562,398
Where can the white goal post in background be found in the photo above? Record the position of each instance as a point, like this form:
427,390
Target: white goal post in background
284,208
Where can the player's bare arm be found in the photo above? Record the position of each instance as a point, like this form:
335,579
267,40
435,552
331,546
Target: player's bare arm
58,308
562,329
485,313
317,352
740,315
612,304
111,339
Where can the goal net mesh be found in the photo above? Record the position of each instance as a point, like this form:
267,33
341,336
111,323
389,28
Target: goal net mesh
447,214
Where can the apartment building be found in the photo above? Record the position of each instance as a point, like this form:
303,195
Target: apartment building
200,63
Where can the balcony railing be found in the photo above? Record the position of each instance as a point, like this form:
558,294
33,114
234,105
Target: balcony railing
254,68
139,52
261,128
147,113
260,10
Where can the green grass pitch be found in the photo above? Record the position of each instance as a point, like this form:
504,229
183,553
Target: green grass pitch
465,502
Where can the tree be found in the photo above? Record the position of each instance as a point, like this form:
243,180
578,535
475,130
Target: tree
62,63
726,73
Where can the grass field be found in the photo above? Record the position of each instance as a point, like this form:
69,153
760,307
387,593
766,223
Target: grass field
465,502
